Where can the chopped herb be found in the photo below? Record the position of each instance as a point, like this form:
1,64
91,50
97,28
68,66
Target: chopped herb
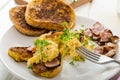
44,57
65,36
67,49
64,24
37,41
82,29
93,44
82,59
72,63
78,58
90,38
30,67
85,42
74,0
82,26
76,35
41,44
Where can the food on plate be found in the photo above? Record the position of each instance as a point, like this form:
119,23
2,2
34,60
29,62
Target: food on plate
47,60
68,41
17,16
21,54
107,42
50,49
49,14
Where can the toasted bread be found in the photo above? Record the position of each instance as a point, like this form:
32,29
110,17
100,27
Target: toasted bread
51,73
20,54
49,14
21,2
17,16
47,71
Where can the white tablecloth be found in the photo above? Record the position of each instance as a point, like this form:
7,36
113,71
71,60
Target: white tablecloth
103,11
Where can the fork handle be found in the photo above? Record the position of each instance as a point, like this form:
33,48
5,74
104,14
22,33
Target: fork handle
117,61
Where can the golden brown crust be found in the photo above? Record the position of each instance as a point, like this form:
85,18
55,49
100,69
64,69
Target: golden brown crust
49,14
21,2
49,73
53,73
17,16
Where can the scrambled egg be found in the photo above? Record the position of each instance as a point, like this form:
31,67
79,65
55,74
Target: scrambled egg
48,53
69,47
57,45
64,43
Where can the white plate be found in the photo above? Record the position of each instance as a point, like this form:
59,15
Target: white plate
3,4
80,71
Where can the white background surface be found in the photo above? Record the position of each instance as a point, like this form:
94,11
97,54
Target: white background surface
104,11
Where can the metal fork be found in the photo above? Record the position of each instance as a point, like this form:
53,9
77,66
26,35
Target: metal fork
96,58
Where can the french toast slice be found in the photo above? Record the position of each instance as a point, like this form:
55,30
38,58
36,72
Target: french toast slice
49,14
20,54
17,16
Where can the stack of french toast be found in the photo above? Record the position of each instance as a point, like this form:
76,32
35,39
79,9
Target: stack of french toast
40,16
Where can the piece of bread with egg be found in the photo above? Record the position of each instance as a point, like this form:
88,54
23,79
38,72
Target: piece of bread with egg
49,14
47,60
17,16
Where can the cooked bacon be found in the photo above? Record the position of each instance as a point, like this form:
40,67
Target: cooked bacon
97,28
110,45
101,43
39,68
95,37
114,39
52,63
22,51
99,50
111,53
42,67
105,35
31,49
82,38
88,32
107,42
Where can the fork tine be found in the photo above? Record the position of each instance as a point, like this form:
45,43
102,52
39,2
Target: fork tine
90,52
96,58
86,56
